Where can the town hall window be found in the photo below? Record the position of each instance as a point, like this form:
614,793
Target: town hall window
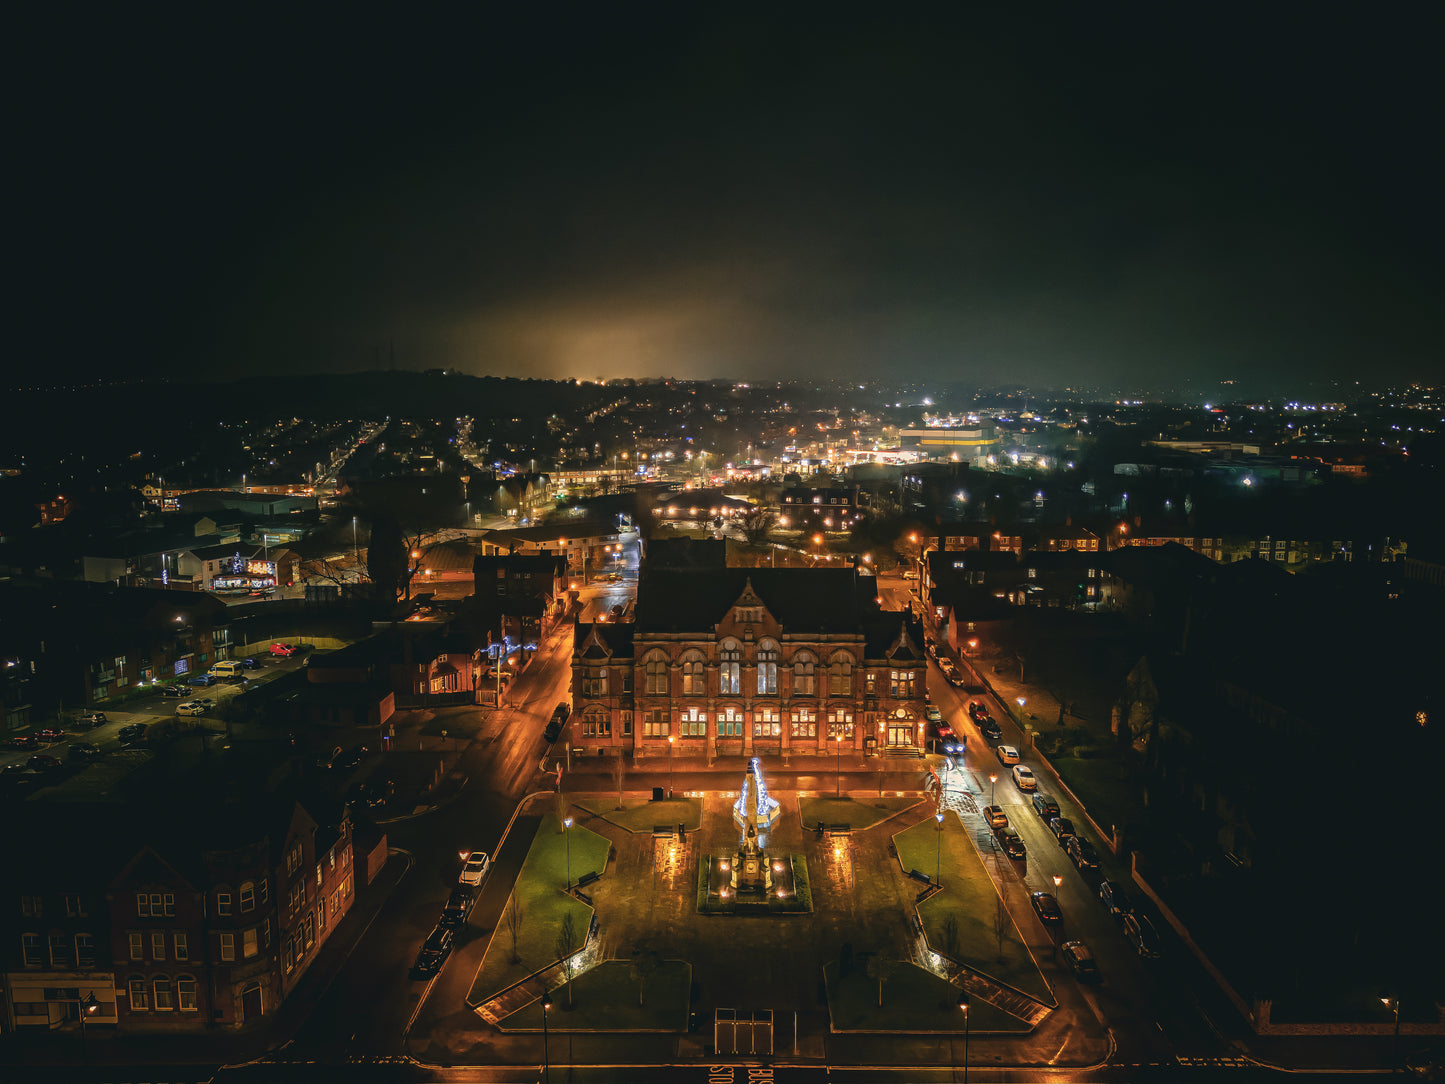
694,723
731,669
902,684
805,723
594,682
805,678
656,668
596,723
840,675
656,724
730,723
768,668
767,723
694,676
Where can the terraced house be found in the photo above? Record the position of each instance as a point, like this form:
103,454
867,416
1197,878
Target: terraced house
724,662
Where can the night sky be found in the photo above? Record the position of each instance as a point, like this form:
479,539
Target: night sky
1149,195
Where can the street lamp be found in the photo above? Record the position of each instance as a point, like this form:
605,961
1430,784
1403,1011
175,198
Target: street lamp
567,831
838,765
938,851
963,1005
1393,1004
546,1059
355,546
670,739
992,779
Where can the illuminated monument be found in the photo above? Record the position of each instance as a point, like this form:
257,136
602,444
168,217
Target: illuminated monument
749,879
755,810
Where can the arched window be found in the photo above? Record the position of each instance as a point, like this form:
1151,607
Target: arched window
805,678
840,675
248,896
165,995
730,677
767,668
694,675
656,667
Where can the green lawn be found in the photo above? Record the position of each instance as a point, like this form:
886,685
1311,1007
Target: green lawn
639,815
914,999
539,890
857,815
969,896
606,998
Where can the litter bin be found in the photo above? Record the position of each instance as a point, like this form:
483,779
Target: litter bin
657,794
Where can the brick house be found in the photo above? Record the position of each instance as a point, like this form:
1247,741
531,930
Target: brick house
766,662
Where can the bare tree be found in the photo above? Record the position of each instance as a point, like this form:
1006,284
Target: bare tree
619,775
645,963
950,936
757,524
881,967
567,943
512,916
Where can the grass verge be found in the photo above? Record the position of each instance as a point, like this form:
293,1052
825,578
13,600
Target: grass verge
914,1000
640,815
857,815
544,904
971,901
605,998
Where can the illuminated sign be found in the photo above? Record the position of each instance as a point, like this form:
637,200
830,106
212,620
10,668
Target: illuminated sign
260,568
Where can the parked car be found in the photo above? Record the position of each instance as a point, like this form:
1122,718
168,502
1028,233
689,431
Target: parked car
250,664
990,729
1082,853
1046,907
459,906
173,692
555,724
42,762
1139,932
1080,958
1062,828
285,650
1007,754
351,758
1013,843
434,951
202,680
24,741
955,678
50,734
1113,897
977,710
373,792
946,665
932,714
90,720
932,649
474,868
995,816
953,747
83,751
132,733
1024,778
1045,806
191,708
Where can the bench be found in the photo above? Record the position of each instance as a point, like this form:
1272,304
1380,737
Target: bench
586,879
839,829
662,831
919,875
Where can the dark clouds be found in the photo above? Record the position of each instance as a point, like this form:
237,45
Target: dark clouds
1089,196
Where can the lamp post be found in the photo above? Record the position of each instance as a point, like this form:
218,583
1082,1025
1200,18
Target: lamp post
963,1005
838,765
670,740
546,1059
938,851
355,546
567,831
992,779
87,1006
1393,1004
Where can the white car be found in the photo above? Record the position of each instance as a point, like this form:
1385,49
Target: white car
475,867
1024,778
1007,754
190,708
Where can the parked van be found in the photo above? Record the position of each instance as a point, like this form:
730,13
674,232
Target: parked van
230,669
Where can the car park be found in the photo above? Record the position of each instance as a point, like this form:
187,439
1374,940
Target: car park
284,650
1081,852
90,720
50,734
191,707
1007,754
1024,778
1139,932
995,816
42,762
1080,959
82,751
132,733
1045,806
459,906
434,951
474,868
1062,828
24,741
1046,907
1115,899
1012,842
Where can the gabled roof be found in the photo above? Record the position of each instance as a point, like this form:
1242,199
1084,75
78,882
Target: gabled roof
602,640
802,600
